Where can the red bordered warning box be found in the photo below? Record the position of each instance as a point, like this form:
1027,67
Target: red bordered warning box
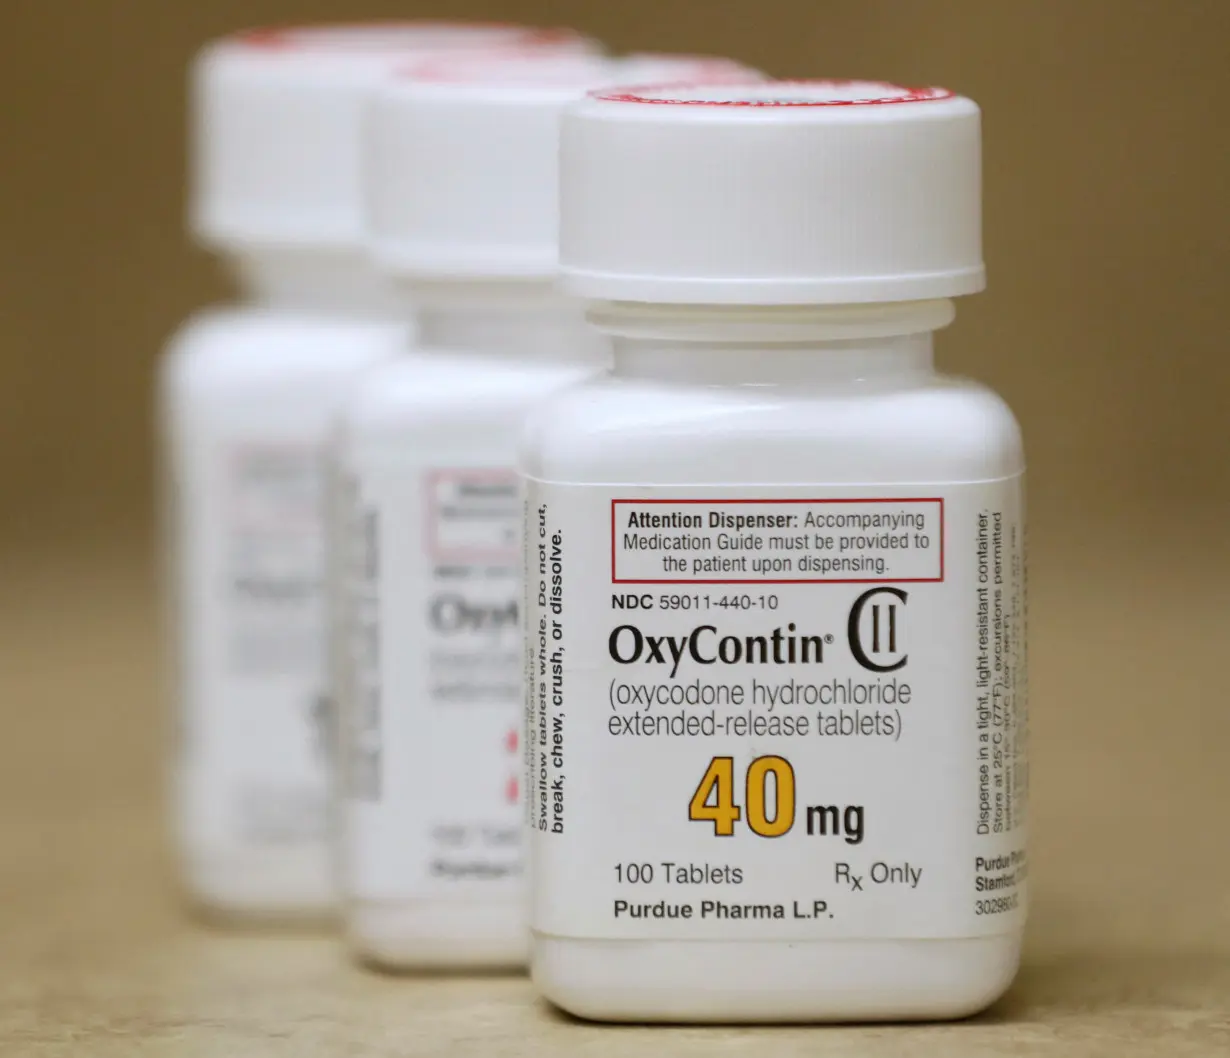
473,515
777,541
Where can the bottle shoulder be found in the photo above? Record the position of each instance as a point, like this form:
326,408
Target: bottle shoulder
934,429
426,388
233,347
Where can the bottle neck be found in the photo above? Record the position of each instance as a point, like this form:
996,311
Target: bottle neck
528,320
759,346
325,282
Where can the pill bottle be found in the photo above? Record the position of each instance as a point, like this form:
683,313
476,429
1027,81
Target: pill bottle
247,393
776,719
463,214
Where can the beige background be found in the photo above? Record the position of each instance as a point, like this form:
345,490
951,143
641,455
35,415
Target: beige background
1107,237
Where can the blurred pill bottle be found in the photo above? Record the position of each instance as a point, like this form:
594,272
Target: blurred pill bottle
247,395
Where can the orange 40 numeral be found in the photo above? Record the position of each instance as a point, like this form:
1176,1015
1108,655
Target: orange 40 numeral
714,799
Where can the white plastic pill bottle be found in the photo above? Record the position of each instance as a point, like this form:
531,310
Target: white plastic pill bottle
777,717
464,214
463,211
247,395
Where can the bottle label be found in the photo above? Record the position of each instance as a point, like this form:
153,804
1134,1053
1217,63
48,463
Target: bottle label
778,712
435,667
250,557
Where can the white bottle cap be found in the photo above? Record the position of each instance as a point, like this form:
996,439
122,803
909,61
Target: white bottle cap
463,162
823,192
279,117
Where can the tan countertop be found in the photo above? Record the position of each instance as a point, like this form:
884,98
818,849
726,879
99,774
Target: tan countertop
1129,943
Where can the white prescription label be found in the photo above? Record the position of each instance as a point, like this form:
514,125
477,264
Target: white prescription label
779,712
435,669
255,759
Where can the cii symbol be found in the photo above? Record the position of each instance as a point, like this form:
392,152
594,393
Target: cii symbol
876,629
